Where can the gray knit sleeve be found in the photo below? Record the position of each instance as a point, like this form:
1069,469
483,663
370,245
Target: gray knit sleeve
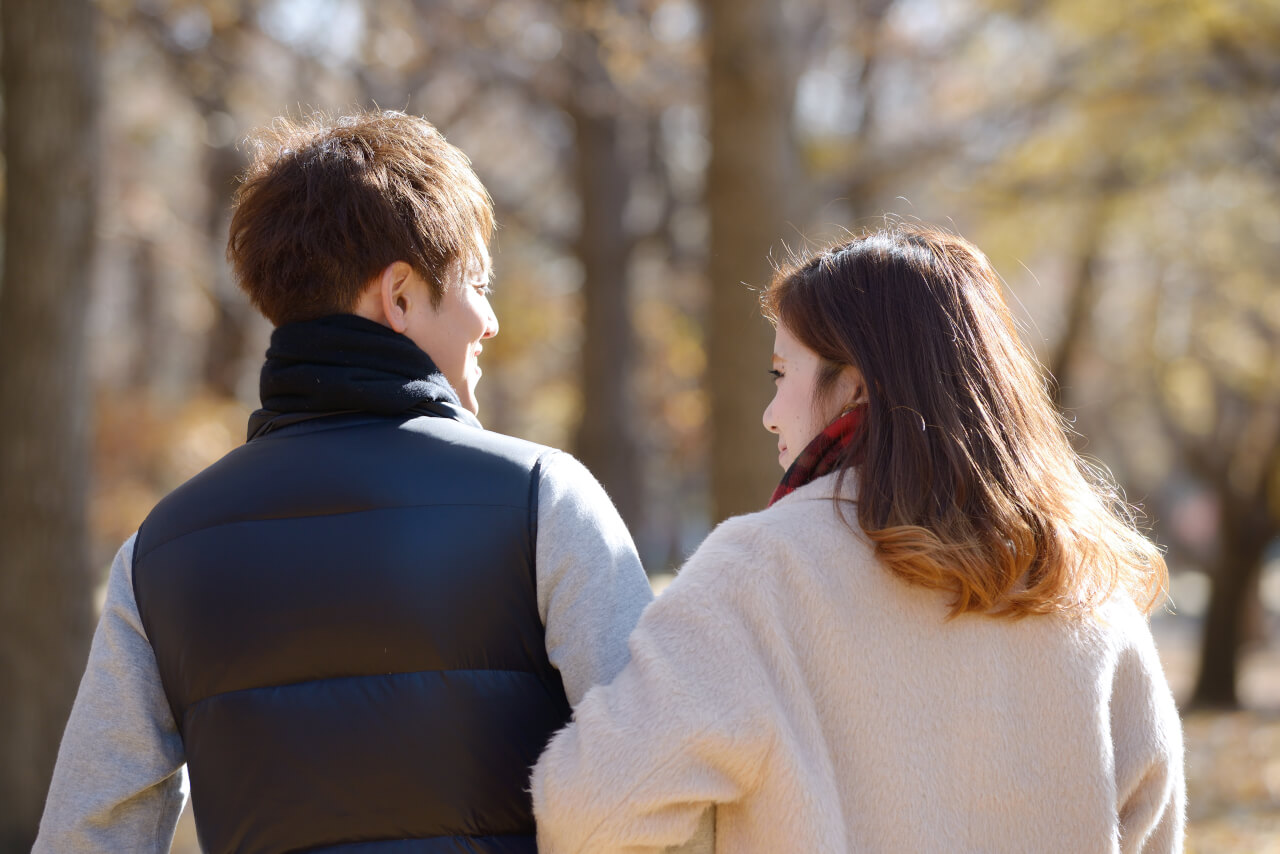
120,782
591,586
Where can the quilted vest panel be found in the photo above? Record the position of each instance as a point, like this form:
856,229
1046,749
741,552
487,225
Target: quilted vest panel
344,615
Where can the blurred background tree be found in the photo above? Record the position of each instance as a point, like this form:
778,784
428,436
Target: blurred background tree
651,161
51,156
750,181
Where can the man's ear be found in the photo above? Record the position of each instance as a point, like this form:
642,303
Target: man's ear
395,295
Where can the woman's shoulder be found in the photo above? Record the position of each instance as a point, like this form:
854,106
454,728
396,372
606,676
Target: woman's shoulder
1116,635
1127,630
802,534
807,518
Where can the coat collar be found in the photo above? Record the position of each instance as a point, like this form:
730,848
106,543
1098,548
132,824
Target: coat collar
348,364
823,489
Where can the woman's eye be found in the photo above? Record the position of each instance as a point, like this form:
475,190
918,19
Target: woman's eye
483,289
776,374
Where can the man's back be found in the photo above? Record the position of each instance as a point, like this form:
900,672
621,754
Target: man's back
360,628
360,581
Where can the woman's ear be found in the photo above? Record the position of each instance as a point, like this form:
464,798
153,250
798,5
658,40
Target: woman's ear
851,388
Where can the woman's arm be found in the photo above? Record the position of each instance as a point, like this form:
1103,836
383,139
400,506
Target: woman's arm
687,724
1151,789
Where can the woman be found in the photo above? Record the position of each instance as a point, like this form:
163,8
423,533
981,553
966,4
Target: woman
932,640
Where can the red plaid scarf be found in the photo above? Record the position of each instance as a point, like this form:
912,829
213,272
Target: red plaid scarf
822,454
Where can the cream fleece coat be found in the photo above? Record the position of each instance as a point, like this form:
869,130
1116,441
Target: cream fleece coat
824,706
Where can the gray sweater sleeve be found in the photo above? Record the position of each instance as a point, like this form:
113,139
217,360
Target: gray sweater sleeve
591,590
591,586
120,782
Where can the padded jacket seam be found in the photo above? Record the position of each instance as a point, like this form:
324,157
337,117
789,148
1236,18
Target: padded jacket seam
352,676
290,518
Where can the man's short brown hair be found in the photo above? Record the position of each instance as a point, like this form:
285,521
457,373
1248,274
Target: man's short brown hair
327,204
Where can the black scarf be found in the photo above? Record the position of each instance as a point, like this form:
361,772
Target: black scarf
345,363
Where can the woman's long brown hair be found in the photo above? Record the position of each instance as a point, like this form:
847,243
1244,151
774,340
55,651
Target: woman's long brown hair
967,481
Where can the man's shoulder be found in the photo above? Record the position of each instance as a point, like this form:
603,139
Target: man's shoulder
352,465
487,450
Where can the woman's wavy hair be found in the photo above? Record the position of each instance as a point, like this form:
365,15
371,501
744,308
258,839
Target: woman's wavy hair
967,482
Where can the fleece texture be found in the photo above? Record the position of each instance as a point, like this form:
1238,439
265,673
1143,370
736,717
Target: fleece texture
821,705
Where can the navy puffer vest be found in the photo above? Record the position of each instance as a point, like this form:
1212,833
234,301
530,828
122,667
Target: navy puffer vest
344,615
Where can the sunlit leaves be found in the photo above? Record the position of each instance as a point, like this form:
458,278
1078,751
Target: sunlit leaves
1233,780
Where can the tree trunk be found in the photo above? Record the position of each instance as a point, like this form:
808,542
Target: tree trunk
1244,539
228,339
749,184
147,315
607,441
1082,301
50,100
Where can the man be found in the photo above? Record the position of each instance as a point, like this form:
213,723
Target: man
358,630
